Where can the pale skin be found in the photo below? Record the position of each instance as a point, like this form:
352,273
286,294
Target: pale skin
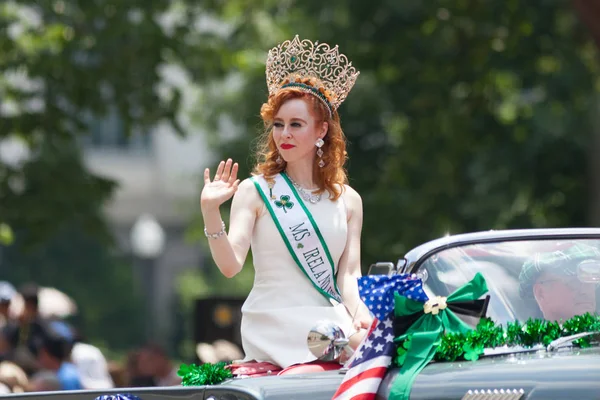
297,130
561,297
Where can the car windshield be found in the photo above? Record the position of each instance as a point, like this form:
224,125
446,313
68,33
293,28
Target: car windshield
550,279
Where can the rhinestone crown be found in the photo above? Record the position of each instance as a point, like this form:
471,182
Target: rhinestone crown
296,59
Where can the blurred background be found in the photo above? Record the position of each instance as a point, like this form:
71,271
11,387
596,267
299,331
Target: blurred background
468,115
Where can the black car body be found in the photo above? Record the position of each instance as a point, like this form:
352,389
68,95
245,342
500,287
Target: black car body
562,372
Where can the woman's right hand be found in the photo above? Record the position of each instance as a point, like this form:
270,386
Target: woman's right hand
222,187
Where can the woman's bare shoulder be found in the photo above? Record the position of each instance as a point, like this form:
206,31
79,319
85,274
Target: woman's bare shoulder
247,191
247,194
352,200
247,184
351,195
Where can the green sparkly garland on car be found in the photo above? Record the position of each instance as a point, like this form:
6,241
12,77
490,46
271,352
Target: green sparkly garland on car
204,374
488,335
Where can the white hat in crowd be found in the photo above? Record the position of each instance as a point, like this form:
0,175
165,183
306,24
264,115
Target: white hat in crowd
92,366
7,291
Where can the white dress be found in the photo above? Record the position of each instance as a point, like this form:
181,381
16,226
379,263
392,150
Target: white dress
283,305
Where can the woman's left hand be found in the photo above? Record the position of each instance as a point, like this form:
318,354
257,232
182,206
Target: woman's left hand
358,325
361,328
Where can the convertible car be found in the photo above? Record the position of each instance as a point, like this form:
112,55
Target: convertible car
548,275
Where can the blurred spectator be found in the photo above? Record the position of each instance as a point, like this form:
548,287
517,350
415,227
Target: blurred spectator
7,342
30,311
154,361
227,351
13,376
135,377
7,292
220,350
92,366
28,329
89,360
118,374
54,351
206,353
44,381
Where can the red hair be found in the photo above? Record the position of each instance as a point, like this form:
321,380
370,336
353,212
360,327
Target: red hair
332,176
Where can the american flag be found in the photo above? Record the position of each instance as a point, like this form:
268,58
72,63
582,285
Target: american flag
371,360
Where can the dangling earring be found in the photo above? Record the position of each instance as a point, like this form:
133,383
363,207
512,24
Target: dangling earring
320,144
279,160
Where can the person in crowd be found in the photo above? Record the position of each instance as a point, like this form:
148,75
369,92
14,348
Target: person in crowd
27,331
53,352
137,376
7,293
154,361
44,381
297,212
13,376
7,343
551,278
118,374
91,363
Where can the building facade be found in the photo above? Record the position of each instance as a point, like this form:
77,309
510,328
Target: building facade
158,174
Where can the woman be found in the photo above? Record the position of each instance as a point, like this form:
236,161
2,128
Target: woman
297,213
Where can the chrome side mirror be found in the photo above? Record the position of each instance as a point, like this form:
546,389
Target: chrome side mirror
382,268
327,341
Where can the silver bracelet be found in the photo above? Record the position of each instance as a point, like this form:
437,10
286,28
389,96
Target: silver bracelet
215,235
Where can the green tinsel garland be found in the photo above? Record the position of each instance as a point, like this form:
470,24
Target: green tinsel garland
488,335
204,374
533,332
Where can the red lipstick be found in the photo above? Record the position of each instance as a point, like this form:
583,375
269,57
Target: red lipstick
287,146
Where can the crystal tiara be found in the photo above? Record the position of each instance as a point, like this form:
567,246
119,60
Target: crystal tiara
291,62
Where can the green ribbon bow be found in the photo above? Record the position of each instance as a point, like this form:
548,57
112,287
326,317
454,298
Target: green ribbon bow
425,329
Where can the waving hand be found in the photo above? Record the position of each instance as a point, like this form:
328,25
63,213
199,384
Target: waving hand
222,187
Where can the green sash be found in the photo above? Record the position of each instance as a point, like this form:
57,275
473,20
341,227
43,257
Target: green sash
300,233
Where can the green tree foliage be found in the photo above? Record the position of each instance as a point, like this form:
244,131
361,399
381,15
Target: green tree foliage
467,115
6,234
62,65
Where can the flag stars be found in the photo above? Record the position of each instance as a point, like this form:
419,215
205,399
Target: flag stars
358,354
378,292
